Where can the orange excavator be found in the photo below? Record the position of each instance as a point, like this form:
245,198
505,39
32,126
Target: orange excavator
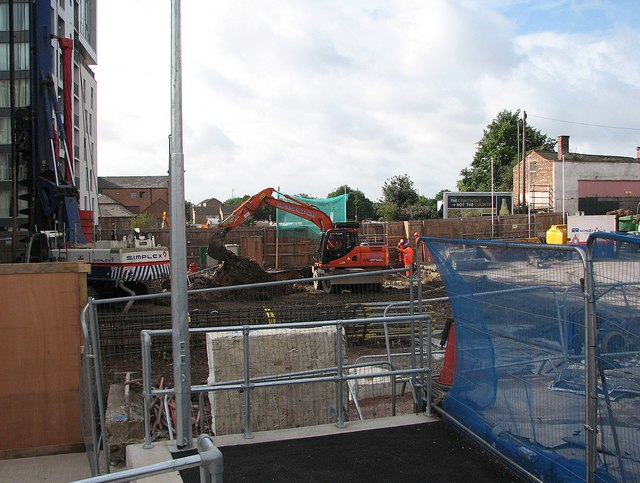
340,251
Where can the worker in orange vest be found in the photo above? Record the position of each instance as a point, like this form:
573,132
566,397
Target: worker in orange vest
400,248
408,255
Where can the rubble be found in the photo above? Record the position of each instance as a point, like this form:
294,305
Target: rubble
233,270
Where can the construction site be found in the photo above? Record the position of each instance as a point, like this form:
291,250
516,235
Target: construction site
491,337
499,347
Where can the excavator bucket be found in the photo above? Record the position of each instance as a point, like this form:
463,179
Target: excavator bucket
217,250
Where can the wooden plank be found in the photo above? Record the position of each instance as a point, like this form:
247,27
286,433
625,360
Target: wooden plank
45,267
40,357
42,451
252,247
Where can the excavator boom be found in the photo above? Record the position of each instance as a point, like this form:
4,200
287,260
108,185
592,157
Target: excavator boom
288,204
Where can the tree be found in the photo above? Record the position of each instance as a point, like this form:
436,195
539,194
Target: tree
500,143
399,191
424,208
237,201
145,221
399,199
359,207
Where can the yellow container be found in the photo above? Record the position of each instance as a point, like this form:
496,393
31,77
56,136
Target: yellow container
557,235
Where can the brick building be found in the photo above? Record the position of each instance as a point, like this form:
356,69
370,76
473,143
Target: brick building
207,209
572,182
136,193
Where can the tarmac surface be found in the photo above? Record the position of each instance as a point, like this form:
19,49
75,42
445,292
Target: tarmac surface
429,451
410,448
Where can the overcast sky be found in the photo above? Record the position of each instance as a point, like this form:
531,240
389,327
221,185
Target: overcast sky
309,95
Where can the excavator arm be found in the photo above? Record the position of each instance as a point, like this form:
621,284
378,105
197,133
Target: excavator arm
250,206
288,204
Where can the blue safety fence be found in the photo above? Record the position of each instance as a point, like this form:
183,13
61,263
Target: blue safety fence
616,296
519,374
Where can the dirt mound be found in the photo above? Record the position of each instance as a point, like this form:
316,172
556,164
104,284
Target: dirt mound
234,270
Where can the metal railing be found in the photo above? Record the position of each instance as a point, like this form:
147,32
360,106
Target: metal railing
209,459
341,374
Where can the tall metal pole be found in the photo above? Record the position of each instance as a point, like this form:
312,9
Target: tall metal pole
179,302
493,203
277,238
14,160
524,157
564,213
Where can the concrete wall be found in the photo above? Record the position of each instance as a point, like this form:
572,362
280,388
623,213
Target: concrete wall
574,171
274,351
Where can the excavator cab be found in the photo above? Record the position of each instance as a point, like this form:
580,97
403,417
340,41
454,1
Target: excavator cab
336,244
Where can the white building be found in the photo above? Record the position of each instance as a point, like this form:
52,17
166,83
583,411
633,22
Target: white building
592,184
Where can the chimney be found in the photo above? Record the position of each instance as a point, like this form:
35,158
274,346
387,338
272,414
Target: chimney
563,146
638,153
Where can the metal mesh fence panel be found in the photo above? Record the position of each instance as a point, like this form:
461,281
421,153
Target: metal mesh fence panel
616,274
368,346
518,313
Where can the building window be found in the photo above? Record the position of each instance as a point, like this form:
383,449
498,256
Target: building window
134,195
21,56
21,52
5,131
142,194
5,93
5,204
5,167
4,57
21,92
20,17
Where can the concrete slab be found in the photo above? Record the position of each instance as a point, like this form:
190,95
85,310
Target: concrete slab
59,468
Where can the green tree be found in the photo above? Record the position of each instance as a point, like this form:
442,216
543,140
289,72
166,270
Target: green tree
359,207
500,143
424,208
236,201
144,221
398,198
399,190
386,211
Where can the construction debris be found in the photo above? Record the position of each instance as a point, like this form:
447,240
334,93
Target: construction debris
233,270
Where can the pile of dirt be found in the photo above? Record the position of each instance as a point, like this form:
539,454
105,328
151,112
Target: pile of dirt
234,270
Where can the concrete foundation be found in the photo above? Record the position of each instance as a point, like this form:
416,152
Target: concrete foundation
273,352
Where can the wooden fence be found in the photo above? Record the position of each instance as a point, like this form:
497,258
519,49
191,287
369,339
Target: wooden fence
297,249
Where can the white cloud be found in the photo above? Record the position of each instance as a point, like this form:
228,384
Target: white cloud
311,95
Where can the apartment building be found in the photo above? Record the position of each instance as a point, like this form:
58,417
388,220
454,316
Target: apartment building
36,37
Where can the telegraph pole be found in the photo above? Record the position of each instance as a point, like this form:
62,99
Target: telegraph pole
524,155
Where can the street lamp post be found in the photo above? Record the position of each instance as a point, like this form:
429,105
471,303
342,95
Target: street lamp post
493,201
